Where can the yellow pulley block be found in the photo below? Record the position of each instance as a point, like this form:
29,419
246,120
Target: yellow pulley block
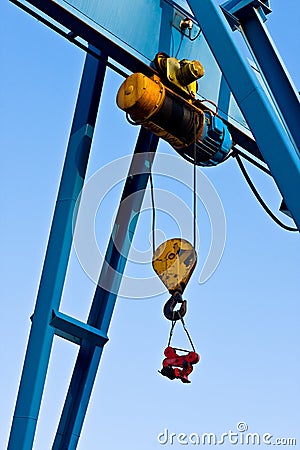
174,262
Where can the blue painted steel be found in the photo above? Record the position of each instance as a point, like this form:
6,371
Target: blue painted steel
215,137
212,146
278,151
104,299
269,61
56,260
133,31
241,8
76,331
154,27
224,97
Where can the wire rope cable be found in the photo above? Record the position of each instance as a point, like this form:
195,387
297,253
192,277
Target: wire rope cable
187,333
153,211
195,185
171,332
185,329
194,196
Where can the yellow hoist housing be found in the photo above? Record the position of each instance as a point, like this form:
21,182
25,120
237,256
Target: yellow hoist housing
167,106
157,108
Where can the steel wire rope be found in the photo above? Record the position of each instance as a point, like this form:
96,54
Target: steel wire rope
187,333
153,211
195,184
171,332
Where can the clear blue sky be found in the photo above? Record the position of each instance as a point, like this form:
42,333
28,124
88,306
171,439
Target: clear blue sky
244,320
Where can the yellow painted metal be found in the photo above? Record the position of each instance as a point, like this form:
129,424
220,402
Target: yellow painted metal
184,74
140,96
174,262
181,73
158,109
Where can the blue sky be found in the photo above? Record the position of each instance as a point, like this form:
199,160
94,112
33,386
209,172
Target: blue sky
244,320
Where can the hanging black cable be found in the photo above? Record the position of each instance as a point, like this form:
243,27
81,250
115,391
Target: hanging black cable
179,46
248,158
131,121
195,37
259,198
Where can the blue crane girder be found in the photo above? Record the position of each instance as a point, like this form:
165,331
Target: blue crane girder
279,152
56,261
278,149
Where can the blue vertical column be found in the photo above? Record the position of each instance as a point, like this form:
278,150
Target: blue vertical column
89,355
277,149
263,49
57,257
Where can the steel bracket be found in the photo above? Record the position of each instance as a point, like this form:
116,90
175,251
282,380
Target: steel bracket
240,9
76,331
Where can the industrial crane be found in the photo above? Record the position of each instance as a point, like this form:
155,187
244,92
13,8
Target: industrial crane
162,99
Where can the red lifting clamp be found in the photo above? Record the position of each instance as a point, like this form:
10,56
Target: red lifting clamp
185,362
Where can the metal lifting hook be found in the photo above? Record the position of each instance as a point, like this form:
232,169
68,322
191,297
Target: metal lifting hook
170,305
174,262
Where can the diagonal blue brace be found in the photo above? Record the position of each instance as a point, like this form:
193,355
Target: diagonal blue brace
57,257
89,355
278,150
251,15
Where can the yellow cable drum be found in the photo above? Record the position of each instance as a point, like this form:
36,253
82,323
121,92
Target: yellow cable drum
149,103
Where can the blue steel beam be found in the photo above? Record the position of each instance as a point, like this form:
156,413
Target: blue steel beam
76,331
278,151
240,8
56,259
80,29
251,17
89,355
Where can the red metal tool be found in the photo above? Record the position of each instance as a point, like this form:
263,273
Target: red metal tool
178,366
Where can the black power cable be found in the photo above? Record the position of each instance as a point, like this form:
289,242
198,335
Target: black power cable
248,158
258,197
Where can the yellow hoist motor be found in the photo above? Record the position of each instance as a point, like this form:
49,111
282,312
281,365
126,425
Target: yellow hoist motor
172,113
153,105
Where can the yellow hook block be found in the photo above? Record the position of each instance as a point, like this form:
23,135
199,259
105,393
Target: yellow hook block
174,262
